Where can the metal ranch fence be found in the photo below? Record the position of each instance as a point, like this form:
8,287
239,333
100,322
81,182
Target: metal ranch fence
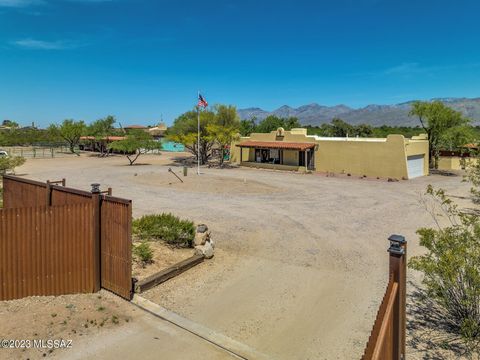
58,240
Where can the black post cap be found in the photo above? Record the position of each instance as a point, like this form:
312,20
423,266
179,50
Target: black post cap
396,242
95,188
397,238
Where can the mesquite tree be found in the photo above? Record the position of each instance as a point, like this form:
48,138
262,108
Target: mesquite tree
444,126
70,131
135,144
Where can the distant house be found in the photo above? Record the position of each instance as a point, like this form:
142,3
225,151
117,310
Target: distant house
458,159
158,132
135,127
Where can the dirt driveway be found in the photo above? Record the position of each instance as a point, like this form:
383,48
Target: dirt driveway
301,263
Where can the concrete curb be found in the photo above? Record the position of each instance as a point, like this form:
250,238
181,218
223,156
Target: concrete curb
234,347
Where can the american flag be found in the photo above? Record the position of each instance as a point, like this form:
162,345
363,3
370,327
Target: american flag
201,101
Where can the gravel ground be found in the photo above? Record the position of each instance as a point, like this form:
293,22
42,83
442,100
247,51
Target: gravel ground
66,317
301,263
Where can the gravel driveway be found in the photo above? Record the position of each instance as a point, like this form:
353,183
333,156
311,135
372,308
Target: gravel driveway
301,261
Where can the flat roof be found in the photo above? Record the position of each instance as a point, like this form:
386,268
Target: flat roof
108,138
365,139
301,146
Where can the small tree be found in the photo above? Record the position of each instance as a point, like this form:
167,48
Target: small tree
70,131
225,128
136,143
438,121
185,131
248,126
451,267
100,129
272,123
223,136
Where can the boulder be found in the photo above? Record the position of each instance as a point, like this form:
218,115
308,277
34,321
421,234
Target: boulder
208,250
201,238
210,240
201,228
205,250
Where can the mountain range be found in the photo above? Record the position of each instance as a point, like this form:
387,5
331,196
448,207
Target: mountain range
375,115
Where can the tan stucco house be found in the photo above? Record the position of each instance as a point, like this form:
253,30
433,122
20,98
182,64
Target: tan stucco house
391,157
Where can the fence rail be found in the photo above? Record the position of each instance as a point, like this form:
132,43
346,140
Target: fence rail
387,339
38,152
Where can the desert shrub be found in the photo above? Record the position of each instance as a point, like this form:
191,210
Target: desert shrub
166,227
143,252
10,163
451,267
472,167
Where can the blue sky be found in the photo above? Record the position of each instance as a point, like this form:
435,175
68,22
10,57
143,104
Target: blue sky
141,60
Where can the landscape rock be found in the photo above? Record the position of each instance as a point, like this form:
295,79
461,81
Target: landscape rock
201,238
210,240
205,250
208,250
201,228
392,180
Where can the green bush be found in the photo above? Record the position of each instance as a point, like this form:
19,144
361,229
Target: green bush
10,163
451,267
166,227
143,252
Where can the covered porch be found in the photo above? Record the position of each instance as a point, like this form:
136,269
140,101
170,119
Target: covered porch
279,155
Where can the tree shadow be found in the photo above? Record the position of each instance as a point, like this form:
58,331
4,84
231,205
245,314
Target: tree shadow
442,172
191,162
428,331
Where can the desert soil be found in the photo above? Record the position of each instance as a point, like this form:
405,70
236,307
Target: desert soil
301,263
66,317
164,256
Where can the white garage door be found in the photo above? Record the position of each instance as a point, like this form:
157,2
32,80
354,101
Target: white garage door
415,166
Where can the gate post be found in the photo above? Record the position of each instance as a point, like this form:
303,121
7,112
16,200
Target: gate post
48,193
96,198
398,267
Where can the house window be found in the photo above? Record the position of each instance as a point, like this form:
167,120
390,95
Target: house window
269,156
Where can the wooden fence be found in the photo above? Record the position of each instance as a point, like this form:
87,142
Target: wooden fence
92,220
46,251
116,245
387,339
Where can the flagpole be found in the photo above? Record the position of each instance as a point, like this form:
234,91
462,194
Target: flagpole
198,136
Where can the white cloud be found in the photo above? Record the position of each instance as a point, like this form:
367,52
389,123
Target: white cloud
20,3
33,44
404,69
26,3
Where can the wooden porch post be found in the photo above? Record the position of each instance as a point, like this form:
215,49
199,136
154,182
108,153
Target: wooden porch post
306,160
398,267
241,154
